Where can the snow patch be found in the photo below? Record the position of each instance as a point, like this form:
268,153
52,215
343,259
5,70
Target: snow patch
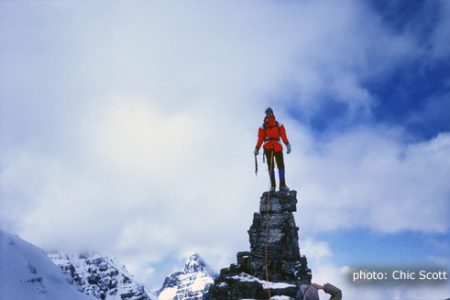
265,284
168,293
200,283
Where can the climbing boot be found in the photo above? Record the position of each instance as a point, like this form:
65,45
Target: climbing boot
284,189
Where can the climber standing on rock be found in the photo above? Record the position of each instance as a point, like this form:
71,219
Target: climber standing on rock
271,133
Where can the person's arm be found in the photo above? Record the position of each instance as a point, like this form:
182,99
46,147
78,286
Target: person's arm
335,292
260,140
283,134
284,138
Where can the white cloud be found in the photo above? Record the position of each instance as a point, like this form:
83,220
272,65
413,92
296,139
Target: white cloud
368,178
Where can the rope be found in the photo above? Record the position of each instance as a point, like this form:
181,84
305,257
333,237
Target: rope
267,224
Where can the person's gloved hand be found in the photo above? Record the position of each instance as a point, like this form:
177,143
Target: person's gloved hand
288,146
256,151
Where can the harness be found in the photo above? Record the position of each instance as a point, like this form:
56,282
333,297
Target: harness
271,139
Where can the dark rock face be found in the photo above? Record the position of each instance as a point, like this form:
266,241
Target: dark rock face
273,266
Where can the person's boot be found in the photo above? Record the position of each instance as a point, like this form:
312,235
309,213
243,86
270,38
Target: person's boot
284,189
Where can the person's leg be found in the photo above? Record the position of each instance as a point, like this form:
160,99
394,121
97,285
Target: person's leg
271,166
280,165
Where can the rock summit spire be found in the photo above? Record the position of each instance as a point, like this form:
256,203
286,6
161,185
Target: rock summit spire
274,265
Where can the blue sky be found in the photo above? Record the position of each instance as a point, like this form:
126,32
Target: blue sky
414,94
140,117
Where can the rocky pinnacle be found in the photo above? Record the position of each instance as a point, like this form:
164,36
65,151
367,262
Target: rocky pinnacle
274,265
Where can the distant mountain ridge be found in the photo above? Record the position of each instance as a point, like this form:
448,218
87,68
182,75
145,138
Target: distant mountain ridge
191,283
27,272
100,276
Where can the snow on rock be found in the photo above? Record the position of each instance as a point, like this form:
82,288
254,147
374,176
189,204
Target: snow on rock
27,273
265,284
191,283
168,293
100,276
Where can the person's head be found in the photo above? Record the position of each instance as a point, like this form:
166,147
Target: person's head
269,118
309,292
269,112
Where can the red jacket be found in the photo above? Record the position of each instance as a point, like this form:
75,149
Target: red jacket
271,133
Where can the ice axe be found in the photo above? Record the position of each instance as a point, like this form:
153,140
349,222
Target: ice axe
256,165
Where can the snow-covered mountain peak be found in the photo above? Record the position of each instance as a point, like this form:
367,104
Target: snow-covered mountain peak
191,283
27,273
195,264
